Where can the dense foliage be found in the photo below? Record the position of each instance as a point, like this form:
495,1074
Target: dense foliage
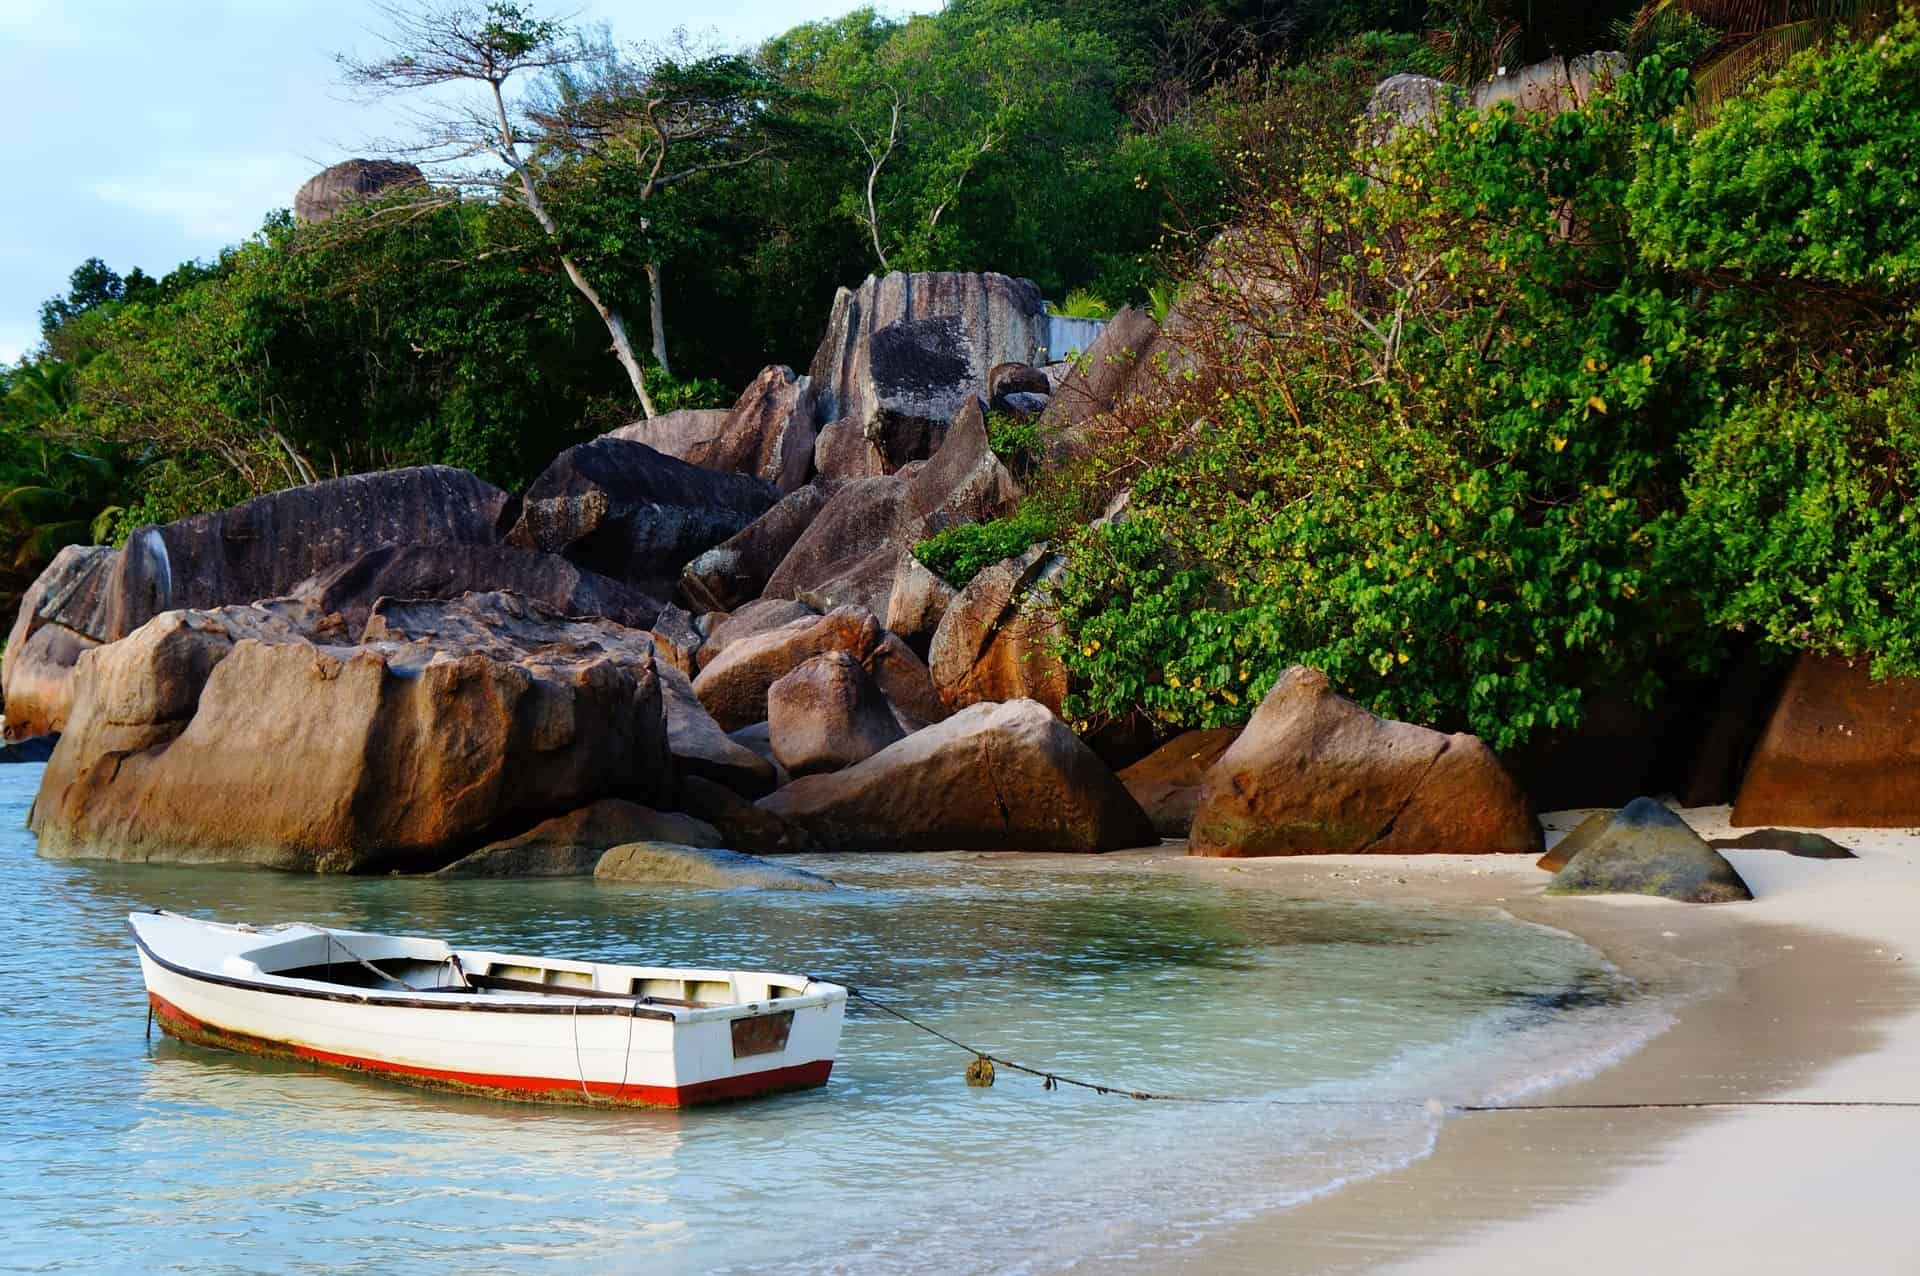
1545,405
1488,419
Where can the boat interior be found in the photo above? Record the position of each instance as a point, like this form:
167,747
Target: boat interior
397,964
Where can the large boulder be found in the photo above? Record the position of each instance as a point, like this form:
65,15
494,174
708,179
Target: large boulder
1314,773
1553,86
843,451
664,863
448,571
264,547
701,748
61,615
231,735
993,777
1842,750
570,845
770,431
828,714
734,685
505,625
757,617
1645,849
1101,375
1408,98
903,352
851,554
1166,783
737,569
918,601
999,638
685,434
743,826
637,515
334,187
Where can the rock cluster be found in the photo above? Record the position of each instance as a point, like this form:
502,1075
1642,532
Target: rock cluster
707,630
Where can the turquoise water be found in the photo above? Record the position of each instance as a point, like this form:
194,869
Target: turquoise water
128,1154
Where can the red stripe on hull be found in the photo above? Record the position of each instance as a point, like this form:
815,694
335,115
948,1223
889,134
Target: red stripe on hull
176,1022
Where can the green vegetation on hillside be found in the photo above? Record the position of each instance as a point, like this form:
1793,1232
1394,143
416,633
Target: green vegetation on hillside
1521,411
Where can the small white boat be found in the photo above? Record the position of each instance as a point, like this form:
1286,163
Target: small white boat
536,1028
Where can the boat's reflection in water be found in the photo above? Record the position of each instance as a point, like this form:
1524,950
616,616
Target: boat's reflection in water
355,1154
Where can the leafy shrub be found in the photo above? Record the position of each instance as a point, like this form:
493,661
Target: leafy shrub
1438,458
958,554
1083,304
1805,496
1809,178
1014,441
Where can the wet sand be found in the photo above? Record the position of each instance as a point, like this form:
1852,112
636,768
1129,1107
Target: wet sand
1806,994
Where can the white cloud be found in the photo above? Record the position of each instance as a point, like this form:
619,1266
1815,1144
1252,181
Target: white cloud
223,200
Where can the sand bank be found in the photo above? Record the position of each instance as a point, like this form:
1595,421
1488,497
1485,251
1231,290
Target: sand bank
1807,994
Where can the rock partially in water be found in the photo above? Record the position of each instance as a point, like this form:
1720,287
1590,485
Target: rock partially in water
236,735
668,864
1166,783
1315,774
62,614
993,777
570,845
1646,849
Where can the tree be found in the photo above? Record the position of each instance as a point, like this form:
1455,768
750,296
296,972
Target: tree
668,116
457,43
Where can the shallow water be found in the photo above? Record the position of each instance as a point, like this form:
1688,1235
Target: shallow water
130,1154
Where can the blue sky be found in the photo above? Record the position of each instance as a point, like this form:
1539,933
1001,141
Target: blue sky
148,132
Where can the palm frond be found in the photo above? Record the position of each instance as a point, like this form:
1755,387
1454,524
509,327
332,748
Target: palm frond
44,542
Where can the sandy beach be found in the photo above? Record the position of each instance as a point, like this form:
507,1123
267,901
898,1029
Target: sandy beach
1805,994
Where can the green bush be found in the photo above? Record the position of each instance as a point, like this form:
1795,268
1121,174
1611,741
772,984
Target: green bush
958,554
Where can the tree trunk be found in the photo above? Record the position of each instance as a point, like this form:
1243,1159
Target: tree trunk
658,314
616,325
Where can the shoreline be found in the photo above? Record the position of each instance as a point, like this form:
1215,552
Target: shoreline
1803,994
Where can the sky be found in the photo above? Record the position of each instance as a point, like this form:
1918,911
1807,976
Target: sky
152,132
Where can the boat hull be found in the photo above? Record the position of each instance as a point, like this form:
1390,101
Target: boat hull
178,1024
631,1052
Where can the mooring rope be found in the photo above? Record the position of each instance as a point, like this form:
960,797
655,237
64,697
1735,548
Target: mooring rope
980,1072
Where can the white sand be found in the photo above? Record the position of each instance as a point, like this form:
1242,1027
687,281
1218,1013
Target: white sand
1809,992
1759,1189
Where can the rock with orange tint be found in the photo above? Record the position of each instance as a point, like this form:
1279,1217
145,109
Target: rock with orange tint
1166,783
1313,773
1841,751
993,777
998,639
241,734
